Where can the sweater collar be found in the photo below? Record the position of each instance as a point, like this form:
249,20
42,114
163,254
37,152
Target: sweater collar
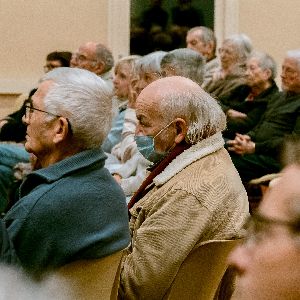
192,154
70,164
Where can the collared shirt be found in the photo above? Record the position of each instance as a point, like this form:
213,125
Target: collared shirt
70,210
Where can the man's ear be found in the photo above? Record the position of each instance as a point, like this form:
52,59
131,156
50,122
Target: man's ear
61,130
181,129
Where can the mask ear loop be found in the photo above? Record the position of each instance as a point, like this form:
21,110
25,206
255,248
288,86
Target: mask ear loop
163,129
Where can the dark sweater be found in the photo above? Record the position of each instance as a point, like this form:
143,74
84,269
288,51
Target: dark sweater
254,109
282,118
70,210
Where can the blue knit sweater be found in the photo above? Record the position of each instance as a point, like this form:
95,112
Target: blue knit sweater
70,210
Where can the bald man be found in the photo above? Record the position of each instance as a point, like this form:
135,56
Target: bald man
193,193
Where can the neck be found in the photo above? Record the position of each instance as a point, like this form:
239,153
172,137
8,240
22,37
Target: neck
56,155
258,89
210,57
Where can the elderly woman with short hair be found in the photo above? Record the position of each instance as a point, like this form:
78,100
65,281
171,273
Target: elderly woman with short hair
233,55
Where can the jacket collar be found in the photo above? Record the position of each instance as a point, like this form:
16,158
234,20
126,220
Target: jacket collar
192,154
95,157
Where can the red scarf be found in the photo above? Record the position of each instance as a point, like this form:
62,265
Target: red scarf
147,185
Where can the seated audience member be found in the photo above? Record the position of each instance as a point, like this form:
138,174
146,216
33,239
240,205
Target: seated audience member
233,56
71,208
12,129
183,62
256,154
248,103
202,40
125,162
268,261
122,76
193,193
96,58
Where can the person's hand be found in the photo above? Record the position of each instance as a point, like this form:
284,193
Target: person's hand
234,114
242,144
117,177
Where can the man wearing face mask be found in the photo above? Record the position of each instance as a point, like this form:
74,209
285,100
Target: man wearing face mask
193,193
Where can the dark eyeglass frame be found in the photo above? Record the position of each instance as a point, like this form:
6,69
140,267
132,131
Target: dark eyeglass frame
29,110
255,226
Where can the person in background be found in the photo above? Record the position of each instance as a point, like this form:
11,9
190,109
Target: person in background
257,153
233,53
122,77
193,193
71,208
96,58
13,130
247,103
126,164
267,262
183,62
202,40
12,127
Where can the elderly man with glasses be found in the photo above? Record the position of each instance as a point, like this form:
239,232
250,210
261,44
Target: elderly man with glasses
268,262
94,57
71,208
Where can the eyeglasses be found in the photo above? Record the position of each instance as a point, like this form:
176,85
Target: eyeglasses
81,57
29,110
258,227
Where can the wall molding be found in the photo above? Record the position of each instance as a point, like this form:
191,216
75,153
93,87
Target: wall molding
118,29
226,18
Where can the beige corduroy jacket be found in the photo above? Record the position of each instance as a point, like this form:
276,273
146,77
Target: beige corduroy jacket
198,197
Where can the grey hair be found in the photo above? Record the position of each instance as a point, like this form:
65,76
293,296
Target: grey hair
242,45
185,62
206,36
85,100
203,113
103,54
265,62
294,54
130,60
150,63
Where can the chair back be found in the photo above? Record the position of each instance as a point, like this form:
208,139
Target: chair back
92,279
201,272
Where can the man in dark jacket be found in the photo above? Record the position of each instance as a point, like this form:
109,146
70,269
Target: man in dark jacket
256,154
248,102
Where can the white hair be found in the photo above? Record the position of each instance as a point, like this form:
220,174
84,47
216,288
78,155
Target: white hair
265,61
242,45
185,62
85,100
203,113
150,63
